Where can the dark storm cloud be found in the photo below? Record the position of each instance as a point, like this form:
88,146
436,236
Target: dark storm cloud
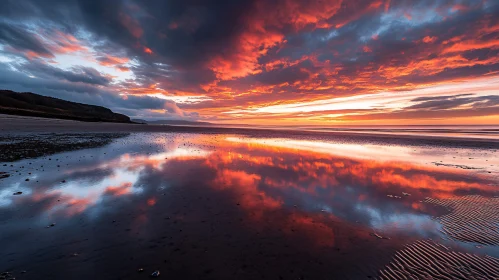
18,39
448,102
79,92
439,98
58,10
172,78
85,75
183,33
491,101
78,74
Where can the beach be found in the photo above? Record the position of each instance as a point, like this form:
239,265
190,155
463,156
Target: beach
130,201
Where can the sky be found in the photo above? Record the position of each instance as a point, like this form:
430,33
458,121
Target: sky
289,62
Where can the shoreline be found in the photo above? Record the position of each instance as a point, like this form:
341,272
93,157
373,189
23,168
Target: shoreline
19,125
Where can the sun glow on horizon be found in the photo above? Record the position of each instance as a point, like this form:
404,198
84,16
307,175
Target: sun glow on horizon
317,62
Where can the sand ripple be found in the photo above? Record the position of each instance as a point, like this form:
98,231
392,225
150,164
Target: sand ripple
429,260
471,218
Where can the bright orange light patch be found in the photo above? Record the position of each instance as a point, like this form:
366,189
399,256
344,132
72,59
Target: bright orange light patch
151,201
429,39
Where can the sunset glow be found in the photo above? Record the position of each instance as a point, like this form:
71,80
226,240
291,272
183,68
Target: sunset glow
290,62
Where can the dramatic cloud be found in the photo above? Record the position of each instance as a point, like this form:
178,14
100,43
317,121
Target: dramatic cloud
260,61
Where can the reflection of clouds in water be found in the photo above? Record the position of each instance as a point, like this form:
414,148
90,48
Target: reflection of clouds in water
6,193
415,155
351,188
126,172
410,222
78,198
201,197
75,189
347,182
90,176
179,152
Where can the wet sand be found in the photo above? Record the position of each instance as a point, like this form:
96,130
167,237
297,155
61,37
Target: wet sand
247,204
430,260
471,218
15,147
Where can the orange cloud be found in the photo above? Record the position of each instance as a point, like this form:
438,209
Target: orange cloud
63,43
32,55
261,34
429,39
123,68
109,60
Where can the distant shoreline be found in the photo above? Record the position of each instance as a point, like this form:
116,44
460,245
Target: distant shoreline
26,125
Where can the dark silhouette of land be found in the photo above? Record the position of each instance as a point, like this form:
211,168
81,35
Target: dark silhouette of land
171,122
35,105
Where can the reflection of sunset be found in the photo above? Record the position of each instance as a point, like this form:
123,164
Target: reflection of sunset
125,188
322,168
379,152
151,201
266,175
178,197
72,198
301,185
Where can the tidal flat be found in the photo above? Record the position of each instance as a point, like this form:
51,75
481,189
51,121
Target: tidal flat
250,204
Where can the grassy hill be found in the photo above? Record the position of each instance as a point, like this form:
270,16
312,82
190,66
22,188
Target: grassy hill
35,105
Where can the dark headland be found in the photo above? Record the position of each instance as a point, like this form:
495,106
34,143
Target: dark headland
172,122
35,105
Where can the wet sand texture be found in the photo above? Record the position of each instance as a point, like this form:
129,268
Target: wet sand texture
17,147
428,260
471,219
